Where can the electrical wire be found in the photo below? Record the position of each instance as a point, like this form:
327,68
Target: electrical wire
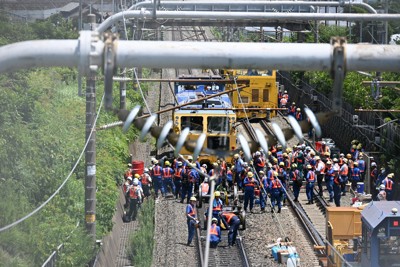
65,181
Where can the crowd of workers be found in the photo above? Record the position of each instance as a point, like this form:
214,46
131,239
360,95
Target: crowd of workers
267,177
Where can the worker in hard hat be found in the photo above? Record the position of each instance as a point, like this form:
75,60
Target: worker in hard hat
237,169
297,181
388,183
249,184
231,219
135,195
215,233
292,109
310,178
179,172
355,176
192,221
361,166
217,205
259,162
145,180
329,180
125,188
156,176
298,115
276,193
167,174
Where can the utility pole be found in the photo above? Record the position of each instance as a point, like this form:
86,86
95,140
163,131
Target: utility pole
90,152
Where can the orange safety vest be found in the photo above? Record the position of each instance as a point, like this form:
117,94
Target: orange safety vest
250,183
276,184
389,184
167,173
283,101
298,114
157,171
144,180
312,177
133,192
218,207
228,216
213,230
344,170
261,163
178,173
192,211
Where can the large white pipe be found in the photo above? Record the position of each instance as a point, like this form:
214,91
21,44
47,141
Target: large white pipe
87,53
282,56
244,16
249,5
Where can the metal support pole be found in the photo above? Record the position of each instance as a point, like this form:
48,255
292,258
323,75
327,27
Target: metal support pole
90,157
90,152
122,91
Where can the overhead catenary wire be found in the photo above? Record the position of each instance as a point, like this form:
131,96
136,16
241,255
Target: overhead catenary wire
4,228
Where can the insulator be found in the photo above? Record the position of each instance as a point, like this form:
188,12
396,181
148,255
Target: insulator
261,139
296,128
145,125
163,134
314,121
279,134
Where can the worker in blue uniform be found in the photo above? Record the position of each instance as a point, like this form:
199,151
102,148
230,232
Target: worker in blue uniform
231,219
310,178
297,181
192,221
217,205
156,174
355,176
276,193
167,174
388,182
263,189
329,179
249,184
215,233
337,194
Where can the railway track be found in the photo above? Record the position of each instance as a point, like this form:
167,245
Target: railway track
313,220
223,255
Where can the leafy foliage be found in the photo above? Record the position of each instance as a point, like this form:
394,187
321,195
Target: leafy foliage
42,133
142,241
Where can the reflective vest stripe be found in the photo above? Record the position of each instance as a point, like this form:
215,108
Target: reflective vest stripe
167,173
178,173
213,230
389,184
192,212
229,216
133,192
157,171
312,177
276,184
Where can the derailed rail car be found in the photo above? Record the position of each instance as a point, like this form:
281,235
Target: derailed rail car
213,116
260,97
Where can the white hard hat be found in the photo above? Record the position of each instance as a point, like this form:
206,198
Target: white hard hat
373,164
204,166
130,178
135,181
382,186
258,153
146,170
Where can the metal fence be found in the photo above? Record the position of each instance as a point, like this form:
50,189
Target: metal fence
385,138
52,259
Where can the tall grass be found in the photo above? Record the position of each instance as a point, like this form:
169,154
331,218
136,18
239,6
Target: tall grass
141,241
